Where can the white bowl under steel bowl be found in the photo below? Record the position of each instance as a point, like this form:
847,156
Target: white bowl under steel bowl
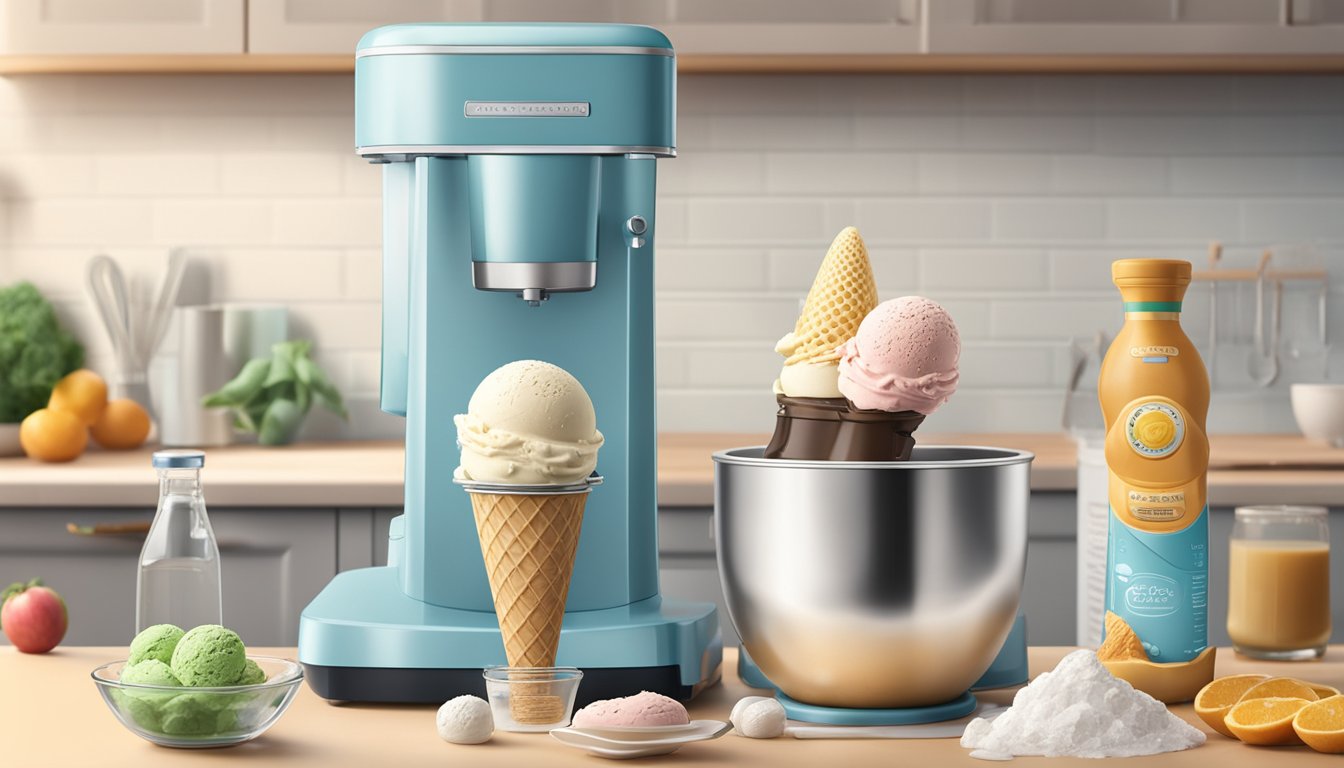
1319,410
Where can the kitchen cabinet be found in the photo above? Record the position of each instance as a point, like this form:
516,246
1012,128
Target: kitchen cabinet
274,562
1136,27
694,26
121,26
335,26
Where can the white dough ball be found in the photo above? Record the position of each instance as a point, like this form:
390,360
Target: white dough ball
758,717
465,720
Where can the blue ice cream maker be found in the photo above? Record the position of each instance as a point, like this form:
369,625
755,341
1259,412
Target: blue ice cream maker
518,222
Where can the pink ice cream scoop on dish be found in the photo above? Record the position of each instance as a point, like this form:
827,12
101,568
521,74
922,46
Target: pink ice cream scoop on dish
903,358
642,710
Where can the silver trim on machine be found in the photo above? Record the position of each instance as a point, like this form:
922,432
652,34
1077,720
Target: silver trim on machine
412,150
534,281
415,50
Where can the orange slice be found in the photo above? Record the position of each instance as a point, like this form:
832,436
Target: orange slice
1267,721
1280,688
1121,642
1216,699
1321,725
1324,691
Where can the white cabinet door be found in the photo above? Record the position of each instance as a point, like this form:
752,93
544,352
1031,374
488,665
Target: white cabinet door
694,26
335,26
794,26
1107,27
121,26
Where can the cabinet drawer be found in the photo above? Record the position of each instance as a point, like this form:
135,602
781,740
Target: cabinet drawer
121,26
274,563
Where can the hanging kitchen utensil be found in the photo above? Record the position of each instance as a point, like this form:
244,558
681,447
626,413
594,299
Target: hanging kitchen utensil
1262,362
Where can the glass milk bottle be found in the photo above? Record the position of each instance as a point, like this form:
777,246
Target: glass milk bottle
1279,583
179,579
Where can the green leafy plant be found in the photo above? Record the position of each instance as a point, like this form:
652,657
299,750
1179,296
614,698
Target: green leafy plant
35,352
270,396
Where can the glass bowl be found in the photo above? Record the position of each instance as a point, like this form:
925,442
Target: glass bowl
200,717
531,699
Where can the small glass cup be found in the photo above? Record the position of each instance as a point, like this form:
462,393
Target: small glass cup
531,699
1279,583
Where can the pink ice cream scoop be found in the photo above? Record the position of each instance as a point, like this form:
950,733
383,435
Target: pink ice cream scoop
903,358
642,710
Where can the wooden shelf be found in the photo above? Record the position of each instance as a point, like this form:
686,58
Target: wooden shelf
692,63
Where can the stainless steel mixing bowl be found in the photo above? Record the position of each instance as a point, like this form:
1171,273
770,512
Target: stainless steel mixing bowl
873,584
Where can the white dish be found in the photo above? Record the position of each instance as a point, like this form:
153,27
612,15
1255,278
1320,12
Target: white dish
641,733
1319,410
646,745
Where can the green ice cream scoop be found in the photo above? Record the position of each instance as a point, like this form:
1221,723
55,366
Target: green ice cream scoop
156,642
252,674
149,672
196,714
209,655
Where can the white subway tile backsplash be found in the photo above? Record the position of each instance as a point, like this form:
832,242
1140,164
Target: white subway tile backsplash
1294,221
213,222
1039,133
690,269
983,174
742,318
713,173
60,222
341,223
904,220
845,174
280,173
1172,220
991,269
167,174
755,221
1108,175
1004,197
1057,320
1048,220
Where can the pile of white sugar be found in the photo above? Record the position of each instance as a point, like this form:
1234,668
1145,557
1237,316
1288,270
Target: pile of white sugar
1081,710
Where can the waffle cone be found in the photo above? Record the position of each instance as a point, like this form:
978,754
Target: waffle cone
842,294
528,543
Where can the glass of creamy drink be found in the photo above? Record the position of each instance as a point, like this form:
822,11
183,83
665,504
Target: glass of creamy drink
1279,583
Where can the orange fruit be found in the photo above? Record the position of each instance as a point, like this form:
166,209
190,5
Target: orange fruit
1280,688
48,435
1265,722
124,425
1321,725
1216,699
82,393
1324,691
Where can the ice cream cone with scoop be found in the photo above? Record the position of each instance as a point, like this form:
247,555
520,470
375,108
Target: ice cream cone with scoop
529,443
859,377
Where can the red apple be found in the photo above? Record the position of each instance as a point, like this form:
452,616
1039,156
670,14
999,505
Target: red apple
33,616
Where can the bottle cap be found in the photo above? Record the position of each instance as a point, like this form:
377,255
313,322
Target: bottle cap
182,458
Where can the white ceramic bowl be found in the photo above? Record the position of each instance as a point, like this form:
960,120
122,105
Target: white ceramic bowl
1319,410
9,440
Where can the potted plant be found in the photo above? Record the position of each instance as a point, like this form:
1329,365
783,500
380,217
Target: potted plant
35,352
271,396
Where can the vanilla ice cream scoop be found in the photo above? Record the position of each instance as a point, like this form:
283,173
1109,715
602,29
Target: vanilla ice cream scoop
465,720
528,423
903,358
759,717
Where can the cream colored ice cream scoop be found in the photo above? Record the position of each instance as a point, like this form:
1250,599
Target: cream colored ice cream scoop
530,423
841,295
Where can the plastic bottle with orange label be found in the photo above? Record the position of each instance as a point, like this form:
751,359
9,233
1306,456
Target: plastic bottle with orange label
1154,393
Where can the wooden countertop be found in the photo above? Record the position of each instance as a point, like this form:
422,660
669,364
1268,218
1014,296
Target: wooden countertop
51,715
1244,469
